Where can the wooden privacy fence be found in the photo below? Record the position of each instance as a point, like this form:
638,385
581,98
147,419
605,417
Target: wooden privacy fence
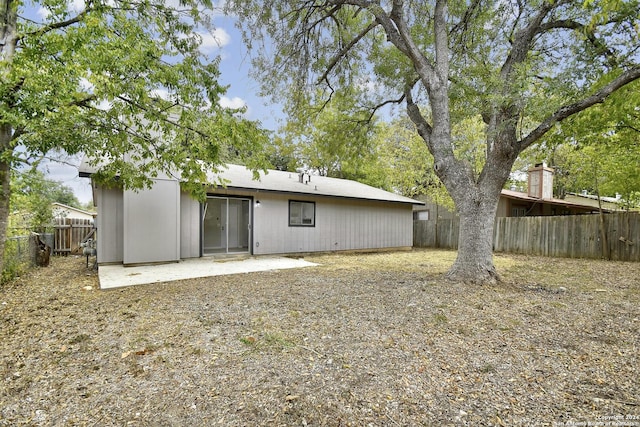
573,236
69,233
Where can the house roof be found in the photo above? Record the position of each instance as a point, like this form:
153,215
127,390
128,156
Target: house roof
516,195
241,178
71,208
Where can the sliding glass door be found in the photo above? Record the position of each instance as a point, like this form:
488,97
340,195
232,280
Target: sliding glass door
226,225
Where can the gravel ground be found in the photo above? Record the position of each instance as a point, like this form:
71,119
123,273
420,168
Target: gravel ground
362,339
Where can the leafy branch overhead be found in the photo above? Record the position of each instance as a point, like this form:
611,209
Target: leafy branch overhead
126,82
523,67
114,78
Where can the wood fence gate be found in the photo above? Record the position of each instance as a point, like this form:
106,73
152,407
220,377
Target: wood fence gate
69,233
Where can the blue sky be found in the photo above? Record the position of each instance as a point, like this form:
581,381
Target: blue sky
225,41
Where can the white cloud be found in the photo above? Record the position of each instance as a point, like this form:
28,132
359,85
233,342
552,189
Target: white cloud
214,40
43,13
86,85
76,5
234,103
104,105
73,6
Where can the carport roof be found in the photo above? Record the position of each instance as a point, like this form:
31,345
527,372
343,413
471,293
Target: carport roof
240,178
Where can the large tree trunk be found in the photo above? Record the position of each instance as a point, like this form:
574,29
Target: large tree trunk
474,263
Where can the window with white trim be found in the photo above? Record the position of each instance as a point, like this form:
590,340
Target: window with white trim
302,214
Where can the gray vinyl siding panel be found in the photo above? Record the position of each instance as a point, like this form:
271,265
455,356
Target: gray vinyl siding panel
110,225
340,224
189,226
152,223
158,214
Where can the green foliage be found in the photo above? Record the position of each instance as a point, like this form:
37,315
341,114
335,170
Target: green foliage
599,149
31,198
338,46
281,154
335,139
127,84
16,260
124,82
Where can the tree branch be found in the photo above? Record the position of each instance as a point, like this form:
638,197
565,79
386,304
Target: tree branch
523,39
375,108
18,132
570,24
571,109
441,40
162,116
334,61
422,126
57,25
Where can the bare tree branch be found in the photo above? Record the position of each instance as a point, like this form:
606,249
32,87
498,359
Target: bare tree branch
375,108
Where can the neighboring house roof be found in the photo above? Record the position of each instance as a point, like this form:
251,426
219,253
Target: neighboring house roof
612,203
60,208
516,195
241,178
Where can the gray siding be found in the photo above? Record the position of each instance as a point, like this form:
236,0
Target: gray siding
109,223
340,224
189,227
163,224
152,223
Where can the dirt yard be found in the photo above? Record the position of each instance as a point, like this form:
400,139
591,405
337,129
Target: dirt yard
362,340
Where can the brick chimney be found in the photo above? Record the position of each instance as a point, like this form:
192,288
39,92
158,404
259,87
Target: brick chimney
540,182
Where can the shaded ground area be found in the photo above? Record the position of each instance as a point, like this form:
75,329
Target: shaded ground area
375,339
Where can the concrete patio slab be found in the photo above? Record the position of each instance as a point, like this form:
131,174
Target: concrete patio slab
116,276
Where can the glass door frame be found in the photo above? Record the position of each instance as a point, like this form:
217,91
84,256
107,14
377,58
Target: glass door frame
249,224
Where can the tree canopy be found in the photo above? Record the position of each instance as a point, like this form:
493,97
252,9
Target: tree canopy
523,67
599,149
126,82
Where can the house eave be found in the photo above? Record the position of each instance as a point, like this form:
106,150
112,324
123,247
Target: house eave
558,202
311,194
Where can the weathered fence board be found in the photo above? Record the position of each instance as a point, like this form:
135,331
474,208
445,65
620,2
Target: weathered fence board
69,233
573,236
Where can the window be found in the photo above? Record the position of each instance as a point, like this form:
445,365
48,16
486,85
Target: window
421,215
302,214
518,212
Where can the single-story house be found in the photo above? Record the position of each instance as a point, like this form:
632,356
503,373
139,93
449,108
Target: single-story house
60,210
280,213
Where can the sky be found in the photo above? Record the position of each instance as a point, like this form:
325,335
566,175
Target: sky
235,66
